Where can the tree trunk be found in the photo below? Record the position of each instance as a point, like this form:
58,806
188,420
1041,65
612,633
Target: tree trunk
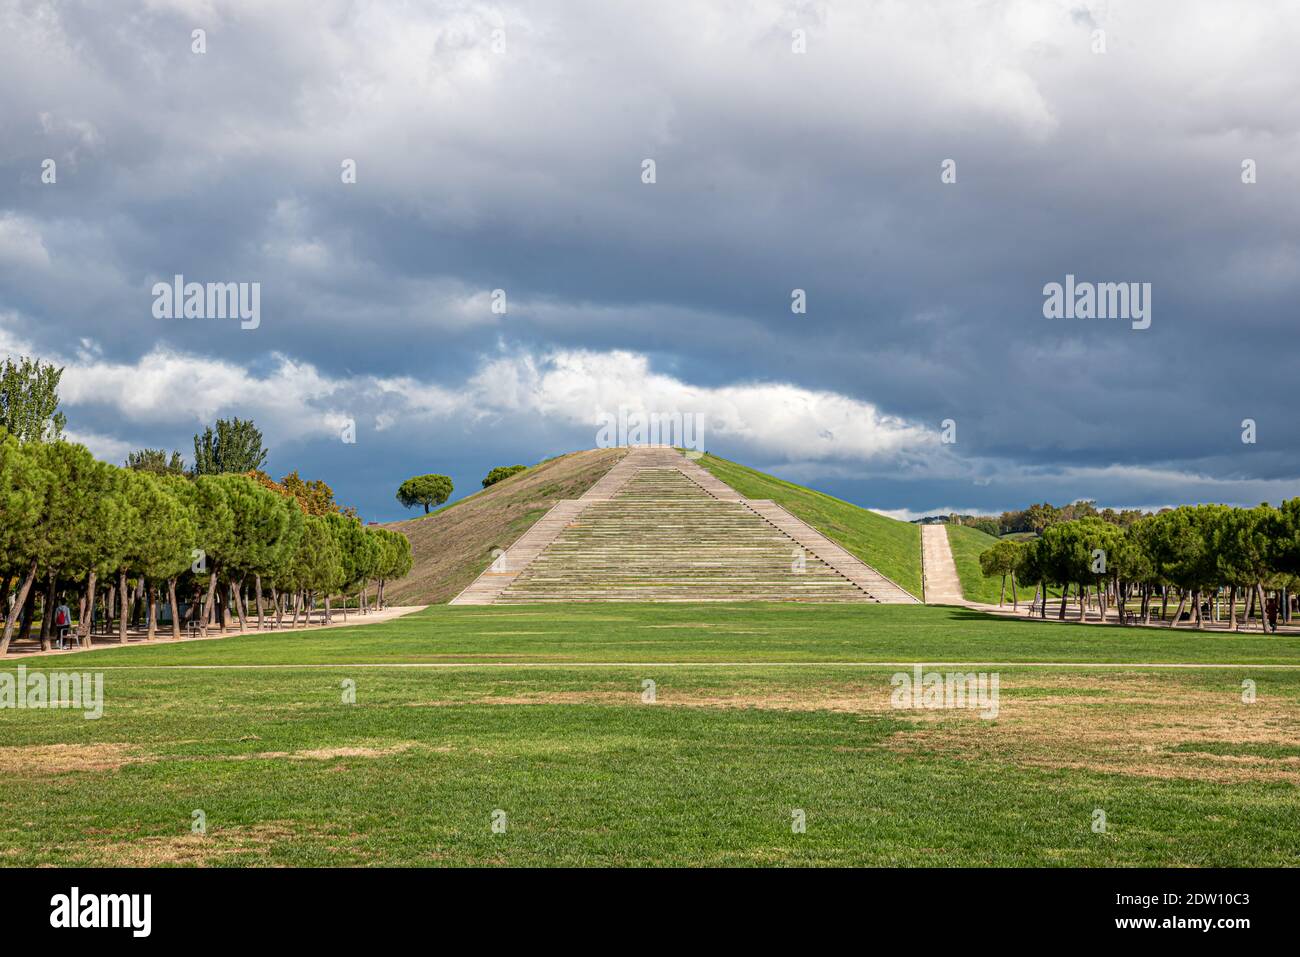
237,599
228,607
123,599
1182,600
205,613
1164,601
1232,608
87,621
151,611
29,614
20,602
171,601
137,600
257,596
47,612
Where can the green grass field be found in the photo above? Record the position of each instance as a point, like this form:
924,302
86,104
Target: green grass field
259,739
892,547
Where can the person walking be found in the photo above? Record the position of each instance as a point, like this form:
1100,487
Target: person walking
1270,609
62,622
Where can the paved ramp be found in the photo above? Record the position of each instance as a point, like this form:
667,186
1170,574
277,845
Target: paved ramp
942,586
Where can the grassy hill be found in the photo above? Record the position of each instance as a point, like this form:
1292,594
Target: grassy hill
454,544
892,547
966,544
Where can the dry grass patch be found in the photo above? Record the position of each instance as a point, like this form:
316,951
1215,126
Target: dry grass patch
1126,723
192,850
1132,728
43,759
327,754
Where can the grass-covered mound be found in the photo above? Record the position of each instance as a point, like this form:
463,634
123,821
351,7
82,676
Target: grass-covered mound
454,544
891,547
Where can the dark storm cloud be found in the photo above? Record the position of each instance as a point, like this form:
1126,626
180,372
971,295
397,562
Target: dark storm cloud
520,170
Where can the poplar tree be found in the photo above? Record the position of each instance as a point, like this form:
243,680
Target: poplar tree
235,445
29,400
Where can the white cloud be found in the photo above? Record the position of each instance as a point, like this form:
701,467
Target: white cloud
769,418
103,447
911,515
293,399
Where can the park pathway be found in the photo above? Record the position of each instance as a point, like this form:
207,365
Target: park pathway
942,586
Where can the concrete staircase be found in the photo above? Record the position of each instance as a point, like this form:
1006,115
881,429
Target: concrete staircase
659,527
876,585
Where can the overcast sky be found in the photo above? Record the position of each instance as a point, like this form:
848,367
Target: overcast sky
501,146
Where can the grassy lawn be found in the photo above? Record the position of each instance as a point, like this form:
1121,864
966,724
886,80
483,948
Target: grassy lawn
587,772
726,632
892,547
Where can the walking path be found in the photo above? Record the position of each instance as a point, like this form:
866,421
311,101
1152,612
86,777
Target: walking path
1109,665
942,586
137,637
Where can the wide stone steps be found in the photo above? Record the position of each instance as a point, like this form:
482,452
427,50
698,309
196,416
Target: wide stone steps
879,587
488,587
659,527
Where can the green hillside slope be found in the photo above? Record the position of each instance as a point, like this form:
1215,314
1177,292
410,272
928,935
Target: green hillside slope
454,544
966,544
892,547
